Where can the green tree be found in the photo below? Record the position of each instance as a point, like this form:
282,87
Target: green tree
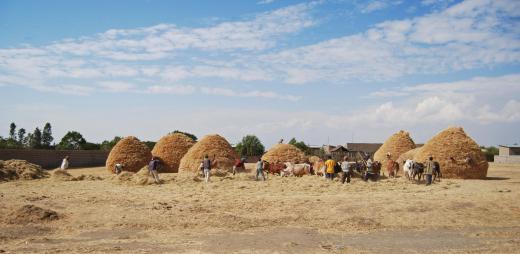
47,136
149,144
91,146
250,146
12,131
301,145
107,145
21,136
36,139
3,142
490,152
73,140
187,134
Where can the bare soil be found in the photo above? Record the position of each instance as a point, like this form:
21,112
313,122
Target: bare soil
236,214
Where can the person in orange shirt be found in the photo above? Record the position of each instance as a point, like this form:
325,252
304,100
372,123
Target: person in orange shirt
330,163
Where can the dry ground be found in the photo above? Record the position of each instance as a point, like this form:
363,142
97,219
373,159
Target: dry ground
281,215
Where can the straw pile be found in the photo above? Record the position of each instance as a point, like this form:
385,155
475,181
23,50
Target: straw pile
451,148
131,153
32,214
170,149
407,156
396,145
281,153
218,150
313,159
63,175
20,169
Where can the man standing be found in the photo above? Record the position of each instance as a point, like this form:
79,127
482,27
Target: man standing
65,163
428,170
330,164
260,169
345,167
206,167
369,173
153,166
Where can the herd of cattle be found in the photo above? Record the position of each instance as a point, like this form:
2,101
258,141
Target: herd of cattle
412,170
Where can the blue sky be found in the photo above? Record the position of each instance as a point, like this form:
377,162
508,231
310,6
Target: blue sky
321,71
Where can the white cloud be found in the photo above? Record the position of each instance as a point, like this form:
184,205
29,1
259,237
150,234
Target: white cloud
469,35
175,89
265,2
379,5
252,94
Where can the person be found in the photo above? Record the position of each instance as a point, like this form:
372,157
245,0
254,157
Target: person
206,167
330,164
428,170
345,167
153,166
65,163
118,168
239,163
260,169
369,172
281,141
390,166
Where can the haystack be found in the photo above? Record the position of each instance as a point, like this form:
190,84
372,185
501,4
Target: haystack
396,145
458,155
313,159
407,156
20,169
218,150
131,153
281,153
170,149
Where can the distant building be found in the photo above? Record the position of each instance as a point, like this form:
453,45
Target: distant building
366,148
508,154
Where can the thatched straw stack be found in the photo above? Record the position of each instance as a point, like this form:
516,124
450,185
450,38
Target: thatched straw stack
214,146
451,148
313,159
20,169
407,156
131,152
281,153
170,149
396,145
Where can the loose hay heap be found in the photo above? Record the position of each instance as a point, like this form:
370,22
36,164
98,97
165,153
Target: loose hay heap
63,175
396,145
20,169
281,153
313,159
214,146
170,149
130,152
32,214
450,148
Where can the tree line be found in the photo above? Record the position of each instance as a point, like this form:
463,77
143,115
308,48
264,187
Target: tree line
19,138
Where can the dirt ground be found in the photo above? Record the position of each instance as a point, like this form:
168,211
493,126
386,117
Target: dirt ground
281,215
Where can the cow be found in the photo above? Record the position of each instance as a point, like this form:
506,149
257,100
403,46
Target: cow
296,169
408,168
417,170
436,171
392,167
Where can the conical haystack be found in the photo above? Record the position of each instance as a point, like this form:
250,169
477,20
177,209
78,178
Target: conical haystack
407,156
313,159
218,150
396,145
131,153
170,149
281,153
458,155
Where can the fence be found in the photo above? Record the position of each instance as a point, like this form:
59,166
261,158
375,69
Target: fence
53,158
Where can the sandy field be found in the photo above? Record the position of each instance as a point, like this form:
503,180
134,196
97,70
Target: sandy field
281,215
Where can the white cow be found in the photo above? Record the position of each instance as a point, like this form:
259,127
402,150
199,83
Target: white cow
408,168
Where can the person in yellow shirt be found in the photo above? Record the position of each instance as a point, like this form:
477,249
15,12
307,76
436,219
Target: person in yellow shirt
330,163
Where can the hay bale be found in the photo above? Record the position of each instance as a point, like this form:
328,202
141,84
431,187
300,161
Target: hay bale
396,145
281,153
170,149
450,148
21,169
214,146
32,214
131,152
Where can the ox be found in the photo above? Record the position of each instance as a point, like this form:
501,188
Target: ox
296,169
